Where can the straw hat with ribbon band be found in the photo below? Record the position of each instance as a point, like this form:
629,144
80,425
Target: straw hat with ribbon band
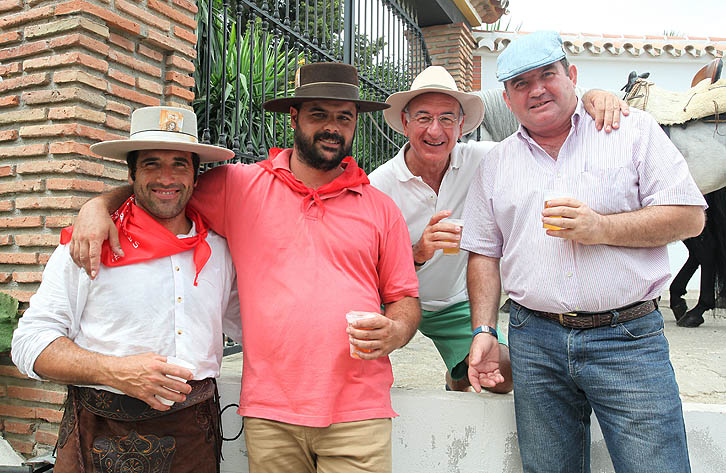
168,128
435,79
325,81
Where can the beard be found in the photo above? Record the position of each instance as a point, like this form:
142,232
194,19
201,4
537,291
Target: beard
313,157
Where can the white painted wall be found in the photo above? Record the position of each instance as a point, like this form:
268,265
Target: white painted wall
447,432
611,72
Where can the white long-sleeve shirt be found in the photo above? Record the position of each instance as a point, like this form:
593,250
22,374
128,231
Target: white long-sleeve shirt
144,307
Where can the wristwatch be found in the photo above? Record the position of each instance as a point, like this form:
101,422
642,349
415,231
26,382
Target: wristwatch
485,329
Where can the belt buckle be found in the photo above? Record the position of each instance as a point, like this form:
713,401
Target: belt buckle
571,314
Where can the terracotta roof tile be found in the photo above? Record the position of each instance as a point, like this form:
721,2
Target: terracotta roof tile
635,45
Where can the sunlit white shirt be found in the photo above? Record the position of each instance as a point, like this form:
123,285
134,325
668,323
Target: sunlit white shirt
144,307
442,280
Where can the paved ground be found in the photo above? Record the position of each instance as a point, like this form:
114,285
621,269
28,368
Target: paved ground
698,356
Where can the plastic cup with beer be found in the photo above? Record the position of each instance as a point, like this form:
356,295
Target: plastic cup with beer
455,221
172,360
550,195
353,316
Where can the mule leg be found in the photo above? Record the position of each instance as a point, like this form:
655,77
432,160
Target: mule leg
678,286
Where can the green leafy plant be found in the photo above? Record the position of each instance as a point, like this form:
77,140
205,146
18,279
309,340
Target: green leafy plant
8,320
268,60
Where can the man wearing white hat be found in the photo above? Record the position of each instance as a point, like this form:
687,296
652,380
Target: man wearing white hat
313,240
585,331
140,345
429,179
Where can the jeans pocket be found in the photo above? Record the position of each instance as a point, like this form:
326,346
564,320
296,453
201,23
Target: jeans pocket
518,315
647,326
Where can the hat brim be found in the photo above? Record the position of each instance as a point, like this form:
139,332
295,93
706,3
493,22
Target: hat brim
472,105
119,149
282,105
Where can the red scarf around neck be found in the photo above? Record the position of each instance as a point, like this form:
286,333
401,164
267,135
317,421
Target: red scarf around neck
351,176
142,238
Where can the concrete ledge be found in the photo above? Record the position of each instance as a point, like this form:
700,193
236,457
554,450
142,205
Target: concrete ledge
443,432
8,456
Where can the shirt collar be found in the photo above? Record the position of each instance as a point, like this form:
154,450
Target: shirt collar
575,121
404,174
282,161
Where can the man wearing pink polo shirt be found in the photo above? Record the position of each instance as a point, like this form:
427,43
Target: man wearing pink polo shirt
311,240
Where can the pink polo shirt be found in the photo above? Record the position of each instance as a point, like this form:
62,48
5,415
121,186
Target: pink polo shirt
300,269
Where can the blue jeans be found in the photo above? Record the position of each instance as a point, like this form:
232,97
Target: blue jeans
621,371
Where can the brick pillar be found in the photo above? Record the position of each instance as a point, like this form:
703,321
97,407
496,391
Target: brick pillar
452,46
73,71
476,77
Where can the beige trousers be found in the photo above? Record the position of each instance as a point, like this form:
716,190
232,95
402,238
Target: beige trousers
347,447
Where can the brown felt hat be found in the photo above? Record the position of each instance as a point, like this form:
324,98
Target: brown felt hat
325,81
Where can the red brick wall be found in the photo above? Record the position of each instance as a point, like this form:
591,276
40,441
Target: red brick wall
476,76
30,411
73,71
451,46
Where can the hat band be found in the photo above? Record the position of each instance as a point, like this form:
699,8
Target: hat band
159,135
437,86
334,90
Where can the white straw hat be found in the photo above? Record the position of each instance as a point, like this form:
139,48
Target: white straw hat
435,79
168,128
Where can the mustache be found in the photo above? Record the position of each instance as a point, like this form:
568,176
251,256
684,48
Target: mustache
326,135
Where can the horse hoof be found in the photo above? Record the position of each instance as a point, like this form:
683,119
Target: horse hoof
679,308
693,317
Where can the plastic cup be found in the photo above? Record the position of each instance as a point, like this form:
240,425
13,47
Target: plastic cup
549,195
455,221
351,317
172,360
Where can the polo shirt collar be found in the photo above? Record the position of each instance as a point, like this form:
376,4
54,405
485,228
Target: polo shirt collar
404,174
282,161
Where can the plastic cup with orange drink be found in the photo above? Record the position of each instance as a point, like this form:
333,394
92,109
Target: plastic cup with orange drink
352,317
460,223
550,195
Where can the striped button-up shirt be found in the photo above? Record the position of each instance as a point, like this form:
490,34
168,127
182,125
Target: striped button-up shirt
631,168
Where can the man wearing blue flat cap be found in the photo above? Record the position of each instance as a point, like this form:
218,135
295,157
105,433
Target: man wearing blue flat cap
585,331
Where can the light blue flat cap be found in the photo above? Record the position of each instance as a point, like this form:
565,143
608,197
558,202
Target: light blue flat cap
529,52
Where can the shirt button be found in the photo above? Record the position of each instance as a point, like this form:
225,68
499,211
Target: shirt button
179,332
177,268
178,299
569,275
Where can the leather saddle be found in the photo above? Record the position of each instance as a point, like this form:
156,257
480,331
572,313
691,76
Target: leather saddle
706,99
711,71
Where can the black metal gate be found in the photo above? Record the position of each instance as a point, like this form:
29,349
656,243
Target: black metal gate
248,52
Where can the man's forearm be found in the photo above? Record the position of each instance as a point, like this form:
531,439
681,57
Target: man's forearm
406,313
484,288
65,362
113,199
653,226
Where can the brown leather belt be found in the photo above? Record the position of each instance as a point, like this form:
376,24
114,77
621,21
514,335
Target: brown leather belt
127,409
585,320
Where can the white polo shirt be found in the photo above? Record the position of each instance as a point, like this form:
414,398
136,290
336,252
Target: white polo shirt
442,280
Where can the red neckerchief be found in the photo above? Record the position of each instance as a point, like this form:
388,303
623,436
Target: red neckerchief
351,177
143,238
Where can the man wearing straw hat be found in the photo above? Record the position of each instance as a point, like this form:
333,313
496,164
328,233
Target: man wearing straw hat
429,179
585,330
140,345
312,240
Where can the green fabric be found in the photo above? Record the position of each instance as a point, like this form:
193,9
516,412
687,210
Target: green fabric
450,330
8,320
